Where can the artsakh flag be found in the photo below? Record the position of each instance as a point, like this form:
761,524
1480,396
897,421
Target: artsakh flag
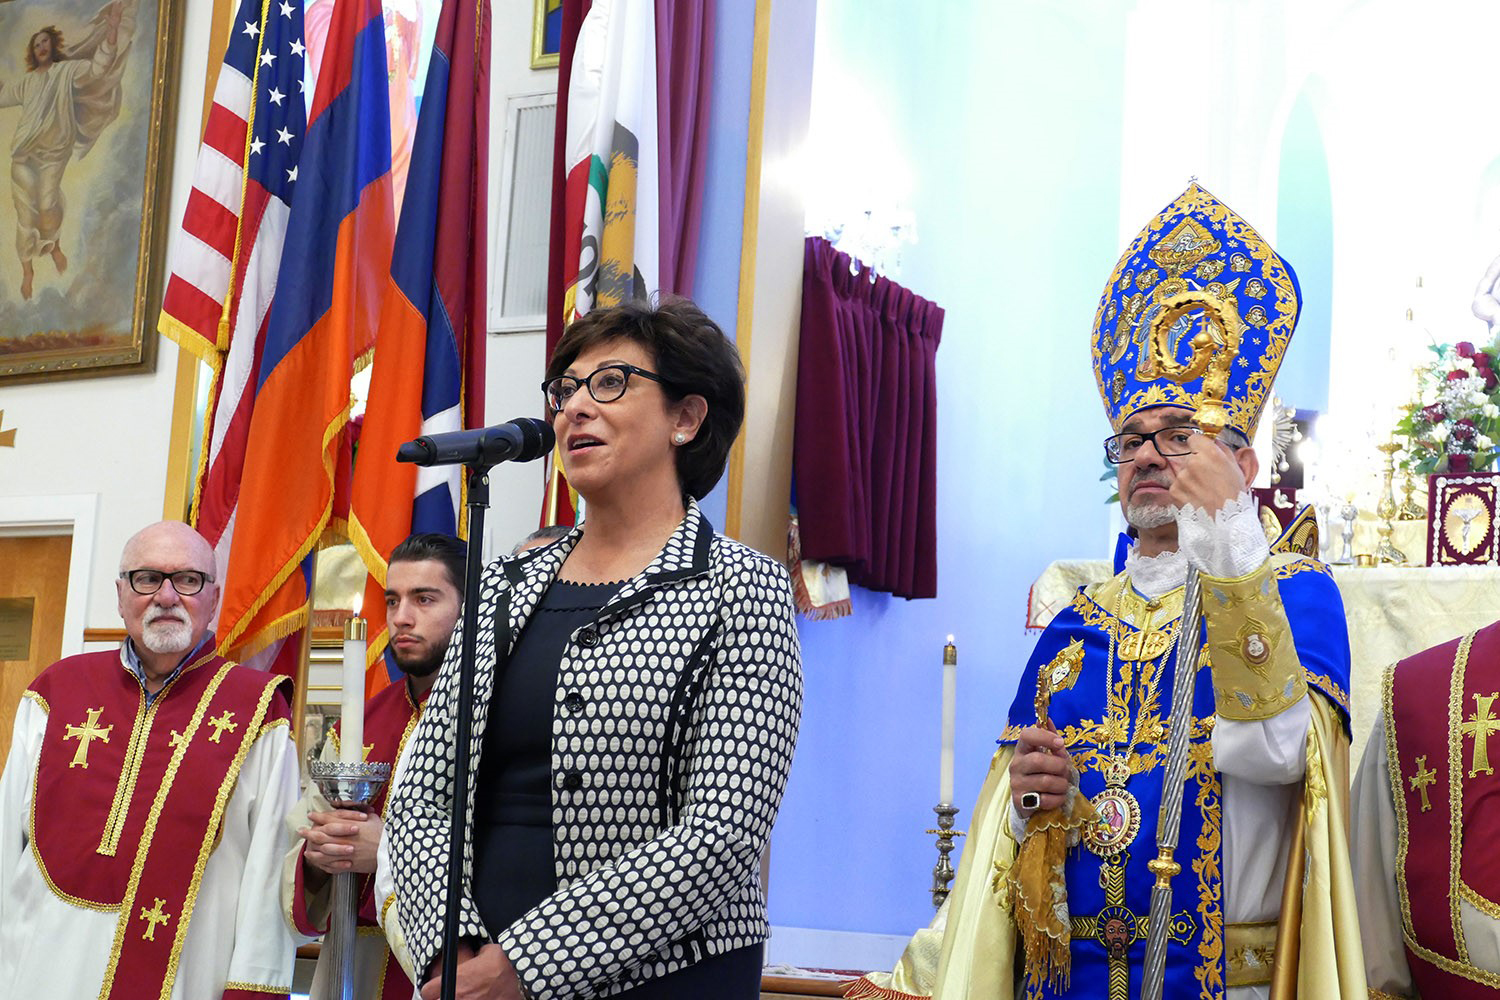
319,330
226,256
611,189
428,374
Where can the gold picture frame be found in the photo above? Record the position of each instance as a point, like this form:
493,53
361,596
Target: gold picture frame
91,308
546,32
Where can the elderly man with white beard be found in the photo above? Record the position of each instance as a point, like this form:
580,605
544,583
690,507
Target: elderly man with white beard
141,804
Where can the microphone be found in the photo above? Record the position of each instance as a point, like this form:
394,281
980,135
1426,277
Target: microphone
520,440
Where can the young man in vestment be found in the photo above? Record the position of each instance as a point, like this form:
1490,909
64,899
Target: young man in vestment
142,803
1086,747
1425,812
423,596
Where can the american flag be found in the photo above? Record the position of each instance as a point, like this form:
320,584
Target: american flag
225,258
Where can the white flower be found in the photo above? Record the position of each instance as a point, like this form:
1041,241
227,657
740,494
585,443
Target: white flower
1429,395
1490,410
1467,364
1477,397
1440,433
1483,443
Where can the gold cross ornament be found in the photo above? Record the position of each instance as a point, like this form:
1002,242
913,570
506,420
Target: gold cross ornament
155,915
1480,725
1424,777
223,722
85,734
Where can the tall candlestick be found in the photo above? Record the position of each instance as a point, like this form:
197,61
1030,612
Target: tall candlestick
950,705
352,700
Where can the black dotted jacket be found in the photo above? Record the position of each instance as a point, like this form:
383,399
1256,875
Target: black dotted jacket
673,726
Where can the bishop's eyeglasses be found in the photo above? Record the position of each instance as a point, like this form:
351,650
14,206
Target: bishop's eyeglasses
1169,442
605,384
145,582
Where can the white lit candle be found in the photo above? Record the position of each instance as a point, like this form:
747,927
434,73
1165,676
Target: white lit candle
352,702
950,705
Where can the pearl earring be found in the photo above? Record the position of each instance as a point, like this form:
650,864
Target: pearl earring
680,437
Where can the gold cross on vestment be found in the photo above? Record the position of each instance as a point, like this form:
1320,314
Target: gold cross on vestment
1424,777
178,739
84,734
1481,725
223,722
155,915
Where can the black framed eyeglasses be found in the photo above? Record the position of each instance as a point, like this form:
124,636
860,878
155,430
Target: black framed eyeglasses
605,384
1169,442
145,582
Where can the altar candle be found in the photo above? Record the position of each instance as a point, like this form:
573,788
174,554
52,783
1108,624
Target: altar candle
950,706
352,702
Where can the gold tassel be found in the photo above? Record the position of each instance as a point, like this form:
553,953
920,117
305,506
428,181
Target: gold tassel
1039,890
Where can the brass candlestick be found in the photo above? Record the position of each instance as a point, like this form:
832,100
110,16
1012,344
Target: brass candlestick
1410,509
1386,551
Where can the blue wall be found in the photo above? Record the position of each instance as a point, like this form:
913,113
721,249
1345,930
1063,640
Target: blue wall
716,283
1304,236
1017,166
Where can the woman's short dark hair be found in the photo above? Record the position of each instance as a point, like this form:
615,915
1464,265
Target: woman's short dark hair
692,356
446,549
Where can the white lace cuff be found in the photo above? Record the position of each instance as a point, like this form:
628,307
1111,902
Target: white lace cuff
1229,544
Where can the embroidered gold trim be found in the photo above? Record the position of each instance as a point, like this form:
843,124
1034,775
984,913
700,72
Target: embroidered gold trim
149,831
1395,778
130,772
386,906
135,758
1206,867
34,696
216,818
1383,995
257,988
1455,790
1250,952
36,853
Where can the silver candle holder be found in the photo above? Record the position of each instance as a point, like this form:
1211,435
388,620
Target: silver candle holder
942,872
345,786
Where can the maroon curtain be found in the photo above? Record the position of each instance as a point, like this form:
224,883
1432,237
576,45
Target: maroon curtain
865,451
684,95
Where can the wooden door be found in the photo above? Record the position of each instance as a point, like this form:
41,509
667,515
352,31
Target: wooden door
33,597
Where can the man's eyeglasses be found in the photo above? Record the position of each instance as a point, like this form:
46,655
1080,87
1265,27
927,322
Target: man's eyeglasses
186,582
606,384
1169,442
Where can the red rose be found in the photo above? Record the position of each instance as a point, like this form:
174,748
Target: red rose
1434,414
1464,349
1490,379
1457,374
1482,359
1463,431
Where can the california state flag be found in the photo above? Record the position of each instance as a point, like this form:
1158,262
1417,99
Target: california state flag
612,193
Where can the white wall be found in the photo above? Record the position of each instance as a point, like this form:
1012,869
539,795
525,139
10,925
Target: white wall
108,436
514,361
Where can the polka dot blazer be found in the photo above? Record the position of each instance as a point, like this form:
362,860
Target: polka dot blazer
673,726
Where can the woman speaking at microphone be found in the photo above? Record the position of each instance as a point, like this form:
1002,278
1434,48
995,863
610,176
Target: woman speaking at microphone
638,688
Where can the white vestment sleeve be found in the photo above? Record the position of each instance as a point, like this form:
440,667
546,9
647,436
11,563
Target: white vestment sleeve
263,944
1372,854
15,794
387,907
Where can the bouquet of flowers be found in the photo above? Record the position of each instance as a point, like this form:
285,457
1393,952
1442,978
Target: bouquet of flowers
1452,423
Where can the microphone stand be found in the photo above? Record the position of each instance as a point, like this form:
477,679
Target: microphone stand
478,501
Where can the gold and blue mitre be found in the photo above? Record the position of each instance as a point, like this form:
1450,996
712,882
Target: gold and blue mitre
1196,276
